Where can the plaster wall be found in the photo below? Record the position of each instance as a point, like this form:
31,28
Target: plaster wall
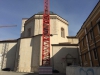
1,45
0,60
8,51
29,54
59,52
27,26
25,53
60,25
17,55
55,30
73,40
36,24
1,55
36,44
22,27
39,24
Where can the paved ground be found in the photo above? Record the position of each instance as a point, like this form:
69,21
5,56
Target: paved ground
16,73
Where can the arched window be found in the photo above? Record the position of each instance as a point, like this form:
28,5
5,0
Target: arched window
62,32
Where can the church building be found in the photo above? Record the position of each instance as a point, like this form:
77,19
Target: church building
25,53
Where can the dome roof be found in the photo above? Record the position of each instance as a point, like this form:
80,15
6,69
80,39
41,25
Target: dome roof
51,13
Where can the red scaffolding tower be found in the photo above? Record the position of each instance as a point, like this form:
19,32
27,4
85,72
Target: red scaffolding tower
46,35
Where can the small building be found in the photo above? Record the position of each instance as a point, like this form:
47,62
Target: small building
89,39
25,53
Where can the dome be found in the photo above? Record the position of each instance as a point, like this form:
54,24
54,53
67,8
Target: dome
51,13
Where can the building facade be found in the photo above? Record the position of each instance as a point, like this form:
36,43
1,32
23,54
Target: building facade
26,51
89,39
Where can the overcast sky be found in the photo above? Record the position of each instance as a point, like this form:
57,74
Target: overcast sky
12,12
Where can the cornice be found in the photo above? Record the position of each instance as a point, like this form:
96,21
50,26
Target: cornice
51,17
1,41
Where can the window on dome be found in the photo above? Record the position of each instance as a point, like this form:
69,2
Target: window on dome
62,32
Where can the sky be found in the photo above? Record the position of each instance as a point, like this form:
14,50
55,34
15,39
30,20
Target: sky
12,12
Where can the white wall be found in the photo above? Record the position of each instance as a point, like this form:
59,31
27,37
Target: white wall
0,55
0,60
36,44
8,50
55,29
82,70
59,52
17,56
56,23
39,24
1,45
29,54
22,27
25,54
30,48
73,40
60,25
27,26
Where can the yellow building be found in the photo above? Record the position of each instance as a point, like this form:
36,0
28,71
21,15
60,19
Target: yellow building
89,39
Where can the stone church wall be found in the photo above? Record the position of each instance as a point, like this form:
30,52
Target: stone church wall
39,24
60,25
59,52
29,48
8,51
36,53
73,40
22,27
29,54
25,54
27,26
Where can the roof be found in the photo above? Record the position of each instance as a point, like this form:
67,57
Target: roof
51,13
15,40
71,37
65,44
41,13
